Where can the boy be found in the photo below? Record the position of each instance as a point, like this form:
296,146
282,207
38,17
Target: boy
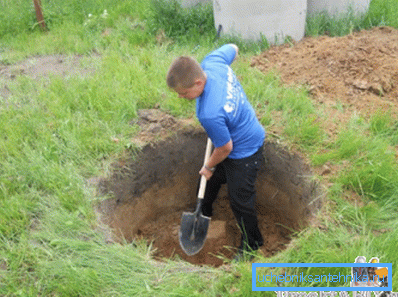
230,121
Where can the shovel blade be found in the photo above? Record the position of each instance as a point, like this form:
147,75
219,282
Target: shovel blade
193,232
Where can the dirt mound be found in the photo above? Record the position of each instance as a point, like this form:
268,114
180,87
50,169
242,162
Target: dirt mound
156,124
152,190
359,70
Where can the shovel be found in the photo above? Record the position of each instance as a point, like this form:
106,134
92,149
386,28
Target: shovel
194,226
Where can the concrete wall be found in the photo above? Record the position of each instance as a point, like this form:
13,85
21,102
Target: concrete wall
275,19
334,7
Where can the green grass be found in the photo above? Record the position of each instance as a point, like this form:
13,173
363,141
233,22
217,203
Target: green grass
57,132
335,25
380,13
181,23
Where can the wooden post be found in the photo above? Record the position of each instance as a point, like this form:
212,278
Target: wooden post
39,14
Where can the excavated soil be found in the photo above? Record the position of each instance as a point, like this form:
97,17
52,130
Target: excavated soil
357,73
152,190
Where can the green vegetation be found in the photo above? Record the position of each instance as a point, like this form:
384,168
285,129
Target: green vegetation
381,13
57,132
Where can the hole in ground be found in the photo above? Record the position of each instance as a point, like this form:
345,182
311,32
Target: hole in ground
151,191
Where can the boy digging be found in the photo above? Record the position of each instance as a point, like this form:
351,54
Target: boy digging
230,121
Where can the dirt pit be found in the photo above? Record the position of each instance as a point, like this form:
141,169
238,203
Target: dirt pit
151,192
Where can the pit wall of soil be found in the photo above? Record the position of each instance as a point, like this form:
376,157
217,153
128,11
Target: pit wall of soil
152,189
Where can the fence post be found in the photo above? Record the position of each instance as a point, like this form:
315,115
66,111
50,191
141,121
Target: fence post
39,14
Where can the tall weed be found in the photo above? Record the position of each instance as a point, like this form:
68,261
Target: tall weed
17,16
183,24
382,124
374,172
382,13
334,25
306,131
348,145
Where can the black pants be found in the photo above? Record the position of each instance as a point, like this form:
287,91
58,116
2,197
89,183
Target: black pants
240,176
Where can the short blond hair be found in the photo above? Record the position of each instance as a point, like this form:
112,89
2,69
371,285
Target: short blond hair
183,72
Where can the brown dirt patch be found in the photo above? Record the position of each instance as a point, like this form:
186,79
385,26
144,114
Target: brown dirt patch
39,67
152,190
156,124
359,72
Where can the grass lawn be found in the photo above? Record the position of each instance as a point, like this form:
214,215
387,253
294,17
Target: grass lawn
58,131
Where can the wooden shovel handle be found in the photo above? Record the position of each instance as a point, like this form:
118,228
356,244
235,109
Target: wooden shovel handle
202,187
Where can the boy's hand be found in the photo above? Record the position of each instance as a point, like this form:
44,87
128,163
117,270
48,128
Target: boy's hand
236,50
206,172
219,154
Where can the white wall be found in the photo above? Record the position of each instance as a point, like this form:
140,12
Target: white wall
275,19
333,7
